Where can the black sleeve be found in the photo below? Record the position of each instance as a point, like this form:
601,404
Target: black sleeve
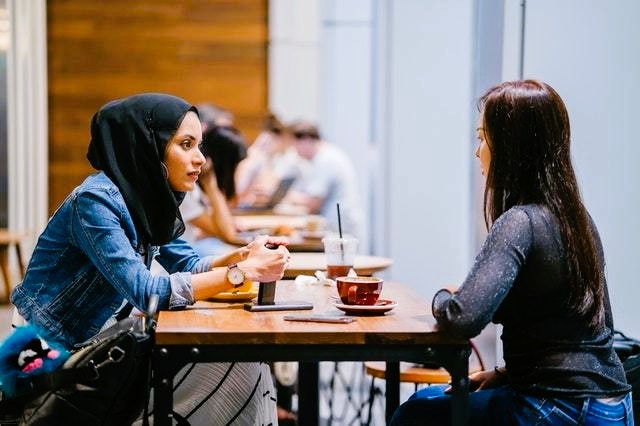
467,311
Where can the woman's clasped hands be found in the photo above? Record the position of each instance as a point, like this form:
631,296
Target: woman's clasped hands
263,264
487,379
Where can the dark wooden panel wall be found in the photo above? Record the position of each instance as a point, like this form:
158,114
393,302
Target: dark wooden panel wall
201,50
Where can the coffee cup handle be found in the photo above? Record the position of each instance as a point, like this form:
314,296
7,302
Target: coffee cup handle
352,294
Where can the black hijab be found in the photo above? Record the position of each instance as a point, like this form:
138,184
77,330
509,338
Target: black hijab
128,140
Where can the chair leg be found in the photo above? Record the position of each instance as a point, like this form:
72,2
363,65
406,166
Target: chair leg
4,269
20,261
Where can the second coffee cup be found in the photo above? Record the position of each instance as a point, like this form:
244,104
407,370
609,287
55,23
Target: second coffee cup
359,290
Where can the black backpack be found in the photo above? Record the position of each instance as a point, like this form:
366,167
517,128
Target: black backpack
628,350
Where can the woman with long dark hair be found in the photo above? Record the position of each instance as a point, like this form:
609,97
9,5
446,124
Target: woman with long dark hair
539,273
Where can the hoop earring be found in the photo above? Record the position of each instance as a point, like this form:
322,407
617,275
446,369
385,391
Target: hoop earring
165,170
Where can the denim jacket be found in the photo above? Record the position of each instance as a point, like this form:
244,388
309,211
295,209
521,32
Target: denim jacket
88,261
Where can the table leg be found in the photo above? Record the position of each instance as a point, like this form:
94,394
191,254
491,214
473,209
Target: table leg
308,397
392,390
162,389
459,371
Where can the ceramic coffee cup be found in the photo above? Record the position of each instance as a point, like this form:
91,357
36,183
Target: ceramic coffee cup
359,290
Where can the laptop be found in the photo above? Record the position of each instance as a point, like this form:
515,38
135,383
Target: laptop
277,196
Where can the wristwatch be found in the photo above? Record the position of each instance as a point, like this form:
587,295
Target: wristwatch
235,275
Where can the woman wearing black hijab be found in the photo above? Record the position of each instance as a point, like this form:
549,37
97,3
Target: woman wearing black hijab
93,258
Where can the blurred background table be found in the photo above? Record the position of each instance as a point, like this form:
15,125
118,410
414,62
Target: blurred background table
308,263
270,221
294,228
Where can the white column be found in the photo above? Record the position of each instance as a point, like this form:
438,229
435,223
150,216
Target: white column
346,93
294,76
27,119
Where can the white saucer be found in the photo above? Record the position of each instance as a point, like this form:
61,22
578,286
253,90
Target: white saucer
381,306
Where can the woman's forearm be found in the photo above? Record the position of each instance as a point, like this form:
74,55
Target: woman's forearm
208,284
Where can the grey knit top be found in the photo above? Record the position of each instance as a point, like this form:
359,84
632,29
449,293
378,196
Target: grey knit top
519,279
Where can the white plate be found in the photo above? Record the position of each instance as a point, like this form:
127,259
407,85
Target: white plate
381,306
237,296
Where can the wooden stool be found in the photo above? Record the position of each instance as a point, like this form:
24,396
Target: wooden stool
416,374
8,239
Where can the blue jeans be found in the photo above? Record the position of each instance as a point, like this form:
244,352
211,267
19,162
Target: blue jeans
504,406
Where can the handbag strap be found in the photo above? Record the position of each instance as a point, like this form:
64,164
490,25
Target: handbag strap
41,383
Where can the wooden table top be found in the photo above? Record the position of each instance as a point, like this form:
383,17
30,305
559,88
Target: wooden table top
218,323
308,263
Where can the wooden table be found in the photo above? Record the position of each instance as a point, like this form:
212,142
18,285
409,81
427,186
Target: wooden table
309,263
8,239
217,332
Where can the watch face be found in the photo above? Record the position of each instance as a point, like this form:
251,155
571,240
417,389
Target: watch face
235,276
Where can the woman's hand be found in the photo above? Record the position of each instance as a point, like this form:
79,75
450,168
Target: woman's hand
487,379
263,264
207,177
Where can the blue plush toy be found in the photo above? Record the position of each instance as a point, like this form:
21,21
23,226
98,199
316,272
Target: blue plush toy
25,353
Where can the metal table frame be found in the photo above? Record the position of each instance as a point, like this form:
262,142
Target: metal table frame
169,359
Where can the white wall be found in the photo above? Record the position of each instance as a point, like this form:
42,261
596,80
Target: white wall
589,52
429,85
320,69
294,59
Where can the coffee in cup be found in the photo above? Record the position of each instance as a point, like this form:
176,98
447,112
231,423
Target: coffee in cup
359,290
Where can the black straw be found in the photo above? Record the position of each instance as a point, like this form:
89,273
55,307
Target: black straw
340,231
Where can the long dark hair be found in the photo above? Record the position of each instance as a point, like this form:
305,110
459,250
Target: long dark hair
527,128
226,148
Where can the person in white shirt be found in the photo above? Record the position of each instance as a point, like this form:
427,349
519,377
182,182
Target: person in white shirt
328,178
271,158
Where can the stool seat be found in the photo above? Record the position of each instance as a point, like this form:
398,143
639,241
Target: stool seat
412,373
8,239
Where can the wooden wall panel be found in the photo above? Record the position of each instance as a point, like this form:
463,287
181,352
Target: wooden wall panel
201,50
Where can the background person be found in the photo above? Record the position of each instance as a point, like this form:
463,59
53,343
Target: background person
540,273
327,178
212,115
206,209
92,259
271,158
